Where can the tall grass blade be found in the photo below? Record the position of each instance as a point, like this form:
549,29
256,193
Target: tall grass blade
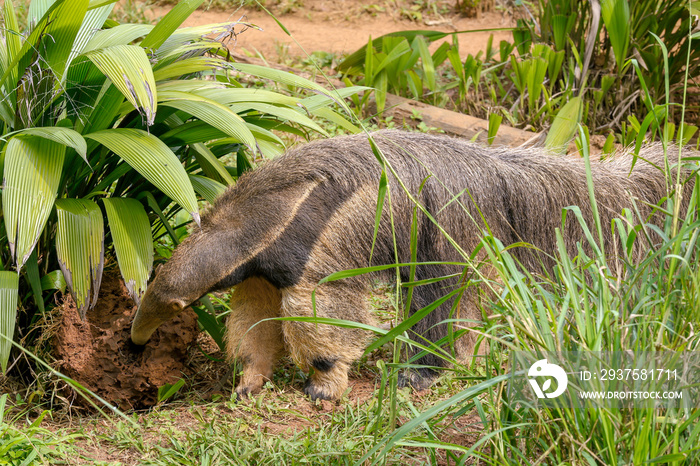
565,125
389,441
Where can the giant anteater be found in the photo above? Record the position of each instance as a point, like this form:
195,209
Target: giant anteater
298,218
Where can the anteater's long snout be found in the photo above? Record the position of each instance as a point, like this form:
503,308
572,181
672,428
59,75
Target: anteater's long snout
142,328
140,332
150,314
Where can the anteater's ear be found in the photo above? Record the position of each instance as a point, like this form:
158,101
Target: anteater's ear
176,306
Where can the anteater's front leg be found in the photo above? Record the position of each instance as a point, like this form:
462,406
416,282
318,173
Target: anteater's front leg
257,345
327,351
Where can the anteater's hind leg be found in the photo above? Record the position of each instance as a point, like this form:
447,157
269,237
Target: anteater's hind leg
432,328
257,347
327,351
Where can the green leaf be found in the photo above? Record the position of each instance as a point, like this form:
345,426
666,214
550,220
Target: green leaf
210,165
37,9
65,136
668,459
169,390
217,115
53,280
128,67
32,173
62,28
93,22
284,113
12,36
188,66
80,249
195,40
427,61
103,112
565,125
319,101
133,243
687,132
227,96
394,54
336,118
38,40
9,286
281,77
494,123
207,188
119,35
170,22
535,81
152,159
209,322
616,17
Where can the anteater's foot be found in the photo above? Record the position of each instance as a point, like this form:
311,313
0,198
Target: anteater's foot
418,379
327,382
242,393
253,379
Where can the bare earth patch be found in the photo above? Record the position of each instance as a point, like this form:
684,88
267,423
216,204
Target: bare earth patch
342,26
99,355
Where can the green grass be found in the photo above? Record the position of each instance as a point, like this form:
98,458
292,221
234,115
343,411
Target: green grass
587,303
278,426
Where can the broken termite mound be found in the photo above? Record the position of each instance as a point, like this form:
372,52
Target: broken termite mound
98,354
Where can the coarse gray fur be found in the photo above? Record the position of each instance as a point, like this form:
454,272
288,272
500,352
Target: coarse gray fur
311,212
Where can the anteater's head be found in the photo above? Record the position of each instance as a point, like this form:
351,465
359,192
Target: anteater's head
177,284
156,308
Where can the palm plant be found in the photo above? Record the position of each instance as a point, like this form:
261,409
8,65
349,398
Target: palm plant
127,122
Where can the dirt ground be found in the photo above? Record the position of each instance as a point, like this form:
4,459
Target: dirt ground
98,354
343,26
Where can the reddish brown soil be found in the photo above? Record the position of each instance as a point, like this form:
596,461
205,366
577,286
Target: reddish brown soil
342,26
98,354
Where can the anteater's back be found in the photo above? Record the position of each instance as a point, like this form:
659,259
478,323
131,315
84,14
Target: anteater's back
519,193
